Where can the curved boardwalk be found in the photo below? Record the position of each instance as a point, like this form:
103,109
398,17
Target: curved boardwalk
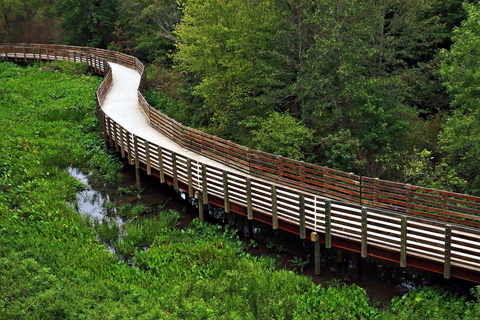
122,106
430,229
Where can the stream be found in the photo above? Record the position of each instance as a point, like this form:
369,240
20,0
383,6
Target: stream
382,279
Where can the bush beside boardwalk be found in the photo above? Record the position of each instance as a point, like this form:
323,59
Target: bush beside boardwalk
53,266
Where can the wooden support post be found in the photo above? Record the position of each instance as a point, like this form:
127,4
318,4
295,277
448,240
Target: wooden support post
122,142
448,251
204,183
339,255
364,232
55,53
249,199
174,169
316,239
115,136
200,205
110,138
39,56
24,55
274,208
15,52
6,53
33,48
328,224
63,53
301,212
48,56
137,161
147,153
104,127
74,56
160,165
190,180
403,242
226,198
129,148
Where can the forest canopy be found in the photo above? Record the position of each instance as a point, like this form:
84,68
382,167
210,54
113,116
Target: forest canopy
386,89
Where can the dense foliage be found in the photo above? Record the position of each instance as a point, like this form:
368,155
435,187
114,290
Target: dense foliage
377,85
55,264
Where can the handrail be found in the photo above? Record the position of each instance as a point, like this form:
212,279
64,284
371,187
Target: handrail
300,194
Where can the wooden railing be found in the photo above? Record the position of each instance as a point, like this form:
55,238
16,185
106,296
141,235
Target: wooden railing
398,218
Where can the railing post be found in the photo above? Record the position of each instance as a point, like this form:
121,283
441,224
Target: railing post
226,198
24,55
200,205
129,148
248,187
174,169
104,127
147,154
403,242
364,232
301,211
160,165
204,184
274,207
448,251
110,138
137,161
122,145
190,182
328,225
115,136
315,237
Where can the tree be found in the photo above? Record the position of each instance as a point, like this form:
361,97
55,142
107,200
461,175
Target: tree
87,22
361,70
231,45
14,11
284,135
461,70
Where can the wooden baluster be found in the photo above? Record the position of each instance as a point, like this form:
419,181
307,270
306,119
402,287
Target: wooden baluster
160,165
129,149
147,154
226,198
249,199
448,251
198,196
190,182
301,211
315,237
364,232
110,137
328,224
174,169
403,242
204,184
122,141
115,136
137,161
274,207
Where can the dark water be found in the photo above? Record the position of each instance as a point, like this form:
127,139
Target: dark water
381,279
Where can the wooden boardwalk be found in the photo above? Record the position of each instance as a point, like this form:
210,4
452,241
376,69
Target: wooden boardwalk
425,228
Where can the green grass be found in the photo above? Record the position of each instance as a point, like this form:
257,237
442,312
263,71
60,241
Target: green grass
56,264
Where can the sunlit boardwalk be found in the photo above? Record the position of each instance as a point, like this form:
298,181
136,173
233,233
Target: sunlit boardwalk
416,226
122,106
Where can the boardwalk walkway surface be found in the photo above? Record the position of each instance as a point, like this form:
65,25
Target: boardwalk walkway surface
122,106
430,229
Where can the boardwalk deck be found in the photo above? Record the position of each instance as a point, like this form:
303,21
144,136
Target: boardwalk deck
285,193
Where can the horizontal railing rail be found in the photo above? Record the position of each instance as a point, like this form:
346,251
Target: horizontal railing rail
398,217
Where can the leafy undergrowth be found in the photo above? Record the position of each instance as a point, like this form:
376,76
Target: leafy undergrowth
54,266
